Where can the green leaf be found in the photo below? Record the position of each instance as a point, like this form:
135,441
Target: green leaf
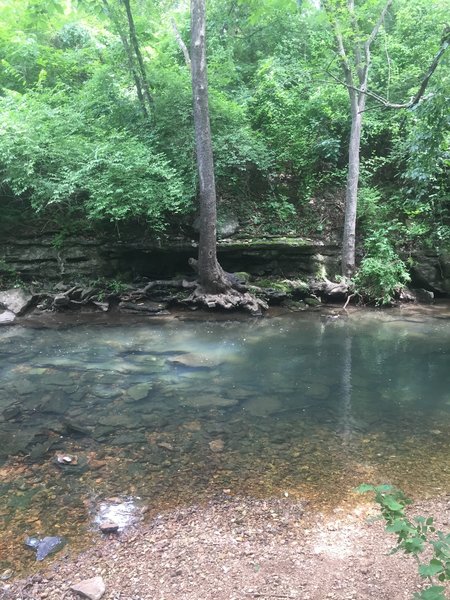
364,488
392,504
435,592
433,568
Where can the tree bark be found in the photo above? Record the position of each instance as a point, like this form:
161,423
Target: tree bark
351,199
130,58
137,51
212,278
361,64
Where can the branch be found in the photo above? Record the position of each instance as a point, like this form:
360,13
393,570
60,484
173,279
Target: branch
420,92
184,50
364,74
377,25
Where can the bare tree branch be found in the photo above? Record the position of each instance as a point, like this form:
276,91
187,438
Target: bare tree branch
365,70
184,50
420,92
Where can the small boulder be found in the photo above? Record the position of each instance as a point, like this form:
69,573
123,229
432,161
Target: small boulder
93,588
60,301
16,300
424,296
7,318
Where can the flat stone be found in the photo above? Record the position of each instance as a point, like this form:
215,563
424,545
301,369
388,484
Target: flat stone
139,391
166,446
24,387
146,307
209,401
263,406
194,361
7,318
93,588
13,411
16,300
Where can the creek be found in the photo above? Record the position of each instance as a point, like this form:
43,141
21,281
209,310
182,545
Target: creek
170,411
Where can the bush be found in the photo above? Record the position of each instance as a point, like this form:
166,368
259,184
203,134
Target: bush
382,274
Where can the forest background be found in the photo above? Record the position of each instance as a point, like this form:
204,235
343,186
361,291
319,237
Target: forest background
96,123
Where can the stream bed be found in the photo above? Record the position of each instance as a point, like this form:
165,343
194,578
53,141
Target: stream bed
156,414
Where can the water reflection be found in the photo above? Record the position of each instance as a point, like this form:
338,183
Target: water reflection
174,412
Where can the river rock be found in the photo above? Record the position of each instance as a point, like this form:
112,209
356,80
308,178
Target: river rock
262,406
16,300
61,301
317,390
24,387
93,588
194,361
424,296
217,445
208,401
139,391
7,317
12,412
146,307
109,527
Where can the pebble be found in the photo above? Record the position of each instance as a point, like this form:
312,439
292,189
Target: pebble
216,445
109,527
93,588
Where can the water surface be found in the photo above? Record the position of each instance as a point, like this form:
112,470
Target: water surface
163,413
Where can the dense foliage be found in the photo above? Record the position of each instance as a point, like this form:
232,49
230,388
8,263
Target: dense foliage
81,145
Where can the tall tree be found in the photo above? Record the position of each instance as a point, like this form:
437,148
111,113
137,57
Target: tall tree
354,55
354,51
216,288
211,274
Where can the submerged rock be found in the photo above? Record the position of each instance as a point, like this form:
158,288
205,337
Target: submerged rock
139,391
121,513
93,588
45,546
263,406
194,361
217,445
208,401
12,412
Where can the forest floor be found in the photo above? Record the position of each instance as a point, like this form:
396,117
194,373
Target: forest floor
242,549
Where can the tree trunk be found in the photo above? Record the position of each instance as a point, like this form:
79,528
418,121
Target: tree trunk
216,288
351,200
137,51
212,278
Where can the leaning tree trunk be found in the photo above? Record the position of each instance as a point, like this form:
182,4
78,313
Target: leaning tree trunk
211,275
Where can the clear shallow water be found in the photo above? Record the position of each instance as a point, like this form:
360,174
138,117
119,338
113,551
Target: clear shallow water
171,412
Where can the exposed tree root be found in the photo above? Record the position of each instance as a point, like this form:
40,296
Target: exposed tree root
229,300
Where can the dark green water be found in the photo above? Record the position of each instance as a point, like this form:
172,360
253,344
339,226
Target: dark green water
174,412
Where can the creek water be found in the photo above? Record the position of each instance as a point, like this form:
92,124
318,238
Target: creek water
162,413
